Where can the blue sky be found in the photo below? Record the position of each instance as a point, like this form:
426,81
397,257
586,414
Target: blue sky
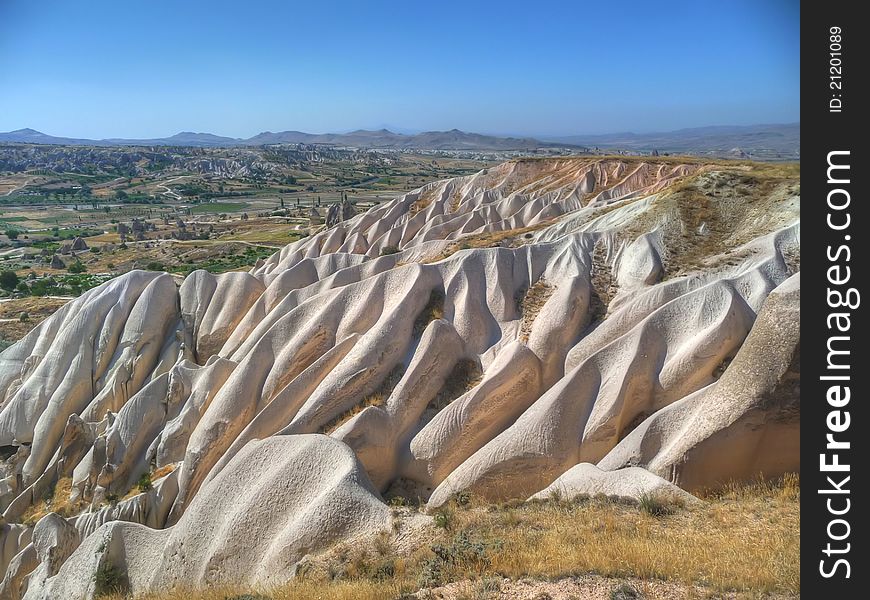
128,68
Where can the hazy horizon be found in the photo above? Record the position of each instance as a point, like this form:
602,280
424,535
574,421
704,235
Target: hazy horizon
408,132
105,70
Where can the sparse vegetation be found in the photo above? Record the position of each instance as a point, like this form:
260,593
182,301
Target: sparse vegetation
625,591
433,310
742,539
656,505
56,499
507,238
108,579
530,302
77,267
376,398
8,279
465,375
144,484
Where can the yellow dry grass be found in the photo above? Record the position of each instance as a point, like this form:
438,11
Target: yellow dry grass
57,501
744,540
303,590
376,398
163,471
531,303
153,475
12,327
489,240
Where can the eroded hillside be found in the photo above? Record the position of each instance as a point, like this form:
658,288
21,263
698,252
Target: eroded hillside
491,334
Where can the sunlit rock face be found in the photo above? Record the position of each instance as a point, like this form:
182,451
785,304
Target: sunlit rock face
580,323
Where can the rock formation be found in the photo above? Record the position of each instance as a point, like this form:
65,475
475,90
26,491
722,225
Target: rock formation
526,324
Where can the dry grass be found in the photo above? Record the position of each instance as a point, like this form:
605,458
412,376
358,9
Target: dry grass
530,304
741,541
424,201
433,311
57,500
303,590
734,204
376,398
455,200
151,477
464,376
496,239
163,471
12,327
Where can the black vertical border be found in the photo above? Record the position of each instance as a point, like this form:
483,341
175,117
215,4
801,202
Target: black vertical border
822,132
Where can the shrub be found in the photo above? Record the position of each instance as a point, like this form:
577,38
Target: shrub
655,505
77,267
386,250
462,498
144,484
24,317
625,591
443,519
382,543
459,557
108,579
8,280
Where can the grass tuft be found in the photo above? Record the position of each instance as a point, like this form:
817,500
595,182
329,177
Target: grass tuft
742,540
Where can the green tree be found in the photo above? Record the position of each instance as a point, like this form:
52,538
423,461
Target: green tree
8,280
12,233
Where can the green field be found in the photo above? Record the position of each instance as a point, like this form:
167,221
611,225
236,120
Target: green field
218,207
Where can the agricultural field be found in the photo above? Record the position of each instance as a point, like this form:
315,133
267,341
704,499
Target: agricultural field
72,218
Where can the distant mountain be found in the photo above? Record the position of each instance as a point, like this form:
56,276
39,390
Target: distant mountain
757,141
766,141
31,136
382,138
185,138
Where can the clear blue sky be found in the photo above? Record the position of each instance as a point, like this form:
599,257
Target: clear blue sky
128,68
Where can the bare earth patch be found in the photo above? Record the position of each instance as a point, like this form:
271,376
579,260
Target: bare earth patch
13,326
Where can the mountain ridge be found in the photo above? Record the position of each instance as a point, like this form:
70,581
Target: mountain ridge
782,138
382,138
776,141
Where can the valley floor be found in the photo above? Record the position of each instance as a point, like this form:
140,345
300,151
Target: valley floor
739,544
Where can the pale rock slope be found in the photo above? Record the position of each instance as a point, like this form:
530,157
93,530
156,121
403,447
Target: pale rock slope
629,483
499,334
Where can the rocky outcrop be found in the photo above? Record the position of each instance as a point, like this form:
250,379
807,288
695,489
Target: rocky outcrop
276,501
745,424
586,325
631,483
